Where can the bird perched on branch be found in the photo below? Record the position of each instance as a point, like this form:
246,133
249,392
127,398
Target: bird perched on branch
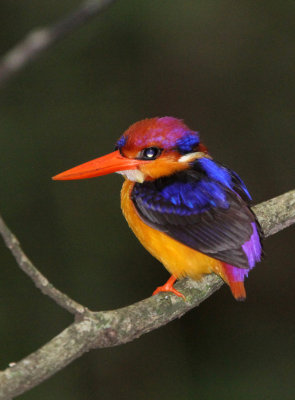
189,211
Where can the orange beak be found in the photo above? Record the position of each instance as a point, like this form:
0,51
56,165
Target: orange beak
112,162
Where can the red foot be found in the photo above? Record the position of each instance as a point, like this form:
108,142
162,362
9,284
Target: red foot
168,287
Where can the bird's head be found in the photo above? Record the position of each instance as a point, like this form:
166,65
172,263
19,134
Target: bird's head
147,150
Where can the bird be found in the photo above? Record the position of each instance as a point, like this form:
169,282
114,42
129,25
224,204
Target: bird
189,211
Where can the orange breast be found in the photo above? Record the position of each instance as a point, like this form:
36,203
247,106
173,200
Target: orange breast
176,257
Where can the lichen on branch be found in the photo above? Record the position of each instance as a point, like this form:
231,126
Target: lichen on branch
111,328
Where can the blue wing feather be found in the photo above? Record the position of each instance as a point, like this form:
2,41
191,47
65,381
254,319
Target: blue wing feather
205,208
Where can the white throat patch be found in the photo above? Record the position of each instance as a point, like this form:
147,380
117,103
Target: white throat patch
133,175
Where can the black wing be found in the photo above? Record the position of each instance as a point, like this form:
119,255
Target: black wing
198,212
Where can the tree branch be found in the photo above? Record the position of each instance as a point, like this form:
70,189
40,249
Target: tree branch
111,328
39,279
39,40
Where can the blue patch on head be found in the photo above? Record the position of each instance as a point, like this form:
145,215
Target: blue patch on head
187,142
121,142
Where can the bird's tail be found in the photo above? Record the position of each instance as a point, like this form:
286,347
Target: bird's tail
235,279
238,290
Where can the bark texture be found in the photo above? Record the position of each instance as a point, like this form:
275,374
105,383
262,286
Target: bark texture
111,328
40,40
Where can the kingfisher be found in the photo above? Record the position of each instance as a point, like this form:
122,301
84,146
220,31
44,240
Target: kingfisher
190,212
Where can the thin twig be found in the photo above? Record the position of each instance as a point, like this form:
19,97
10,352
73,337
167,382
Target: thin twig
40,280
39,40
112,328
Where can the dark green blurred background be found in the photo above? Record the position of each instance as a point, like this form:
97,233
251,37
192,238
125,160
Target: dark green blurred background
227,69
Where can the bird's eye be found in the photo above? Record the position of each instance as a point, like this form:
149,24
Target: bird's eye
150,153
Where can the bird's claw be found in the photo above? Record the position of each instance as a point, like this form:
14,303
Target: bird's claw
168,288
